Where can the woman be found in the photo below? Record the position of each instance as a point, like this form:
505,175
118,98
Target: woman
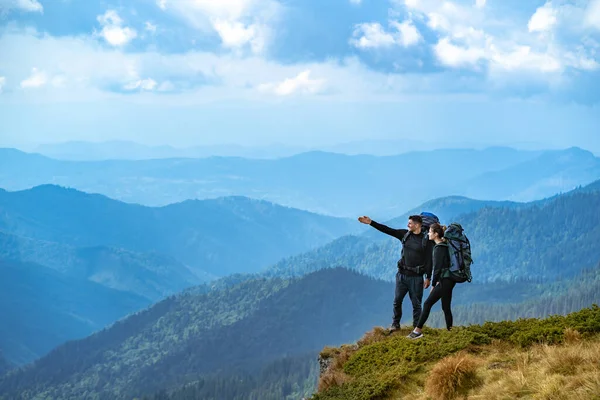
442,283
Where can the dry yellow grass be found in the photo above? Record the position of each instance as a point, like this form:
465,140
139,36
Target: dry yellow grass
570,371
540,363
333,377
377,334
453,377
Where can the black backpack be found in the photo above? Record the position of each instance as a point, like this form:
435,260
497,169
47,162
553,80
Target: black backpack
459,248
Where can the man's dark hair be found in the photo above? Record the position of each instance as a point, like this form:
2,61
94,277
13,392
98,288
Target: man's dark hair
416,218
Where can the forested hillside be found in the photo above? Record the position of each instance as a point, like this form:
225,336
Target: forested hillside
228,339
539,241
150,275
236,330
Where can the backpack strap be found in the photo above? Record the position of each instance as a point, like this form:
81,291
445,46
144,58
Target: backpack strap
403,240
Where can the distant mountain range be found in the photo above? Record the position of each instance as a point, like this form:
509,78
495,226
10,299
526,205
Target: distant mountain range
218,237
41,308
74,262
127,150
149,275
322,182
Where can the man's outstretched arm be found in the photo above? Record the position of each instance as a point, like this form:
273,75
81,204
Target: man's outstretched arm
397,233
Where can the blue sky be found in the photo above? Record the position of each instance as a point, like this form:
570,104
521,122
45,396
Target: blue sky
307,72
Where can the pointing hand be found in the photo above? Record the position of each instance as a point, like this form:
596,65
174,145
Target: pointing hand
365,220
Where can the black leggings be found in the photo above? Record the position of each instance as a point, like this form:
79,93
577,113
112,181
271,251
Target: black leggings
442,290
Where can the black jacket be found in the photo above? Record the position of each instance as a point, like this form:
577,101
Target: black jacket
415,253
441,262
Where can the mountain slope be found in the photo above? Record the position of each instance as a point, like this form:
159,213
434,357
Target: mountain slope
42,308
220,236
149,275
491,361
185,337
557,299
5,365
239,330
538,241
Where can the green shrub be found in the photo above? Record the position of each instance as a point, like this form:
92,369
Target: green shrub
378,368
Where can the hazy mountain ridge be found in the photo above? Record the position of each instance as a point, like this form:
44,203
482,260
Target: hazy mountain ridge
127,150
42,308
319,181
149,275
562,170
220,236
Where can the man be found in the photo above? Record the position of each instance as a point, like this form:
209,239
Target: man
416,261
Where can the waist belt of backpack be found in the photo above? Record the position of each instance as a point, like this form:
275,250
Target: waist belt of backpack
419,269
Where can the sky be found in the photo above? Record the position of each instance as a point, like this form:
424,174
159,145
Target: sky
300,72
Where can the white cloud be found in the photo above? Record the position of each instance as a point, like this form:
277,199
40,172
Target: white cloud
166,86
35,80
445,15
592,14
543,19
373,35
112,30
194,77
523,58
40,78
150,27
301,83
501,56
357,2
2,83
236,34
162,4
238,23
457,56
408,33
471,39
142,84
24,5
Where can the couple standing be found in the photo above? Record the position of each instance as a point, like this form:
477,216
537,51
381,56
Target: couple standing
424,253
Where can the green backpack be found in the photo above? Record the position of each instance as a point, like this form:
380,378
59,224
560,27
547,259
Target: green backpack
459,248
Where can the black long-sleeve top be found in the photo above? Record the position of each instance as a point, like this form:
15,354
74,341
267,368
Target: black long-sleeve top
415,253
441,262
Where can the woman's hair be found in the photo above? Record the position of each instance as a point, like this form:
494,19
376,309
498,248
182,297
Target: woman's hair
439,229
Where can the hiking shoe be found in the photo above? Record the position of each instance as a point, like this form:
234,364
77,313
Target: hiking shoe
415,335
393,328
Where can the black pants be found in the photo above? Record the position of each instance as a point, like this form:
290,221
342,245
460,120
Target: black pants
442,290
413,285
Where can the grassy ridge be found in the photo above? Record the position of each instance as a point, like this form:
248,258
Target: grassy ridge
552,358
